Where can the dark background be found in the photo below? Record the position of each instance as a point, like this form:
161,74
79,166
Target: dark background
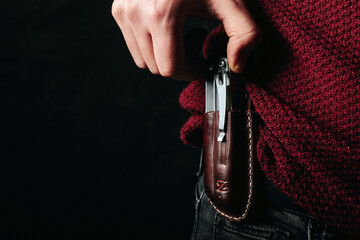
89,143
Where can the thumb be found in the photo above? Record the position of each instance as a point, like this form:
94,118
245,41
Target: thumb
244,34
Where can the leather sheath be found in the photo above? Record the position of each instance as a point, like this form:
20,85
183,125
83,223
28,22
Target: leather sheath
226,164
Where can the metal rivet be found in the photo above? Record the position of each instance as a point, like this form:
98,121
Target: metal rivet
221,64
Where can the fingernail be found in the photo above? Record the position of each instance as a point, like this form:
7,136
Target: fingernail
241,64
238,68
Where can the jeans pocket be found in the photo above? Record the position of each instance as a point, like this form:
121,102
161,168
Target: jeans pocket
237,231
199,195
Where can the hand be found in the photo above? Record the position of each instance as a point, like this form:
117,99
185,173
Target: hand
153,31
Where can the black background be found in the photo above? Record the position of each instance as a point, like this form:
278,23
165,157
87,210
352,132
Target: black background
89,143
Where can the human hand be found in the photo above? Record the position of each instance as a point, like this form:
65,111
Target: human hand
153,31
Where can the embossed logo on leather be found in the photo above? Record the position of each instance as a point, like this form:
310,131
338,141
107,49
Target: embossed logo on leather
222,186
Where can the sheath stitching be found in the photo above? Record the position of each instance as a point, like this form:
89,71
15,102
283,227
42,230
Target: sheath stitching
250,173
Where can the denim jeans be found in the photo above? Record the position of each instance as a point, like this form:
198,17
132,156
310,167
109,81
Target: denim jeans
273,222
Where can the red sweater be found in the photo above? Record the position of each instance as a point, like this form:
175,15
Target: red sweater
309,143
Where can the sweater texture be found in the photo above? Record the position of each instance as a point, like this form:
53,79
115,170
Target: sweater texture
306,91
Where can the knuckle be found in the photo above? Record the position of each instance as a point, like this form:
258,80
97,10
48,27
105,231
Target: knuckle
116,10
155,14
253,37
130,11
158,10
246,42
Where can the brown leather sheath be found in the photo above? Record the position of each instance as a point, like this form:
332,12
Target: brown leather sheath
228,164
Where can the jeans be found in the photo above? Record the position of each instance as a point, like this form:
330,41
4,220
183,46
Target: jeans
273,222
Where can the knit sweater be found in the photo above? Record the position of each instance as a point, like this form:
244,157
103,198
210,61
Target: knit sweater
309,104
